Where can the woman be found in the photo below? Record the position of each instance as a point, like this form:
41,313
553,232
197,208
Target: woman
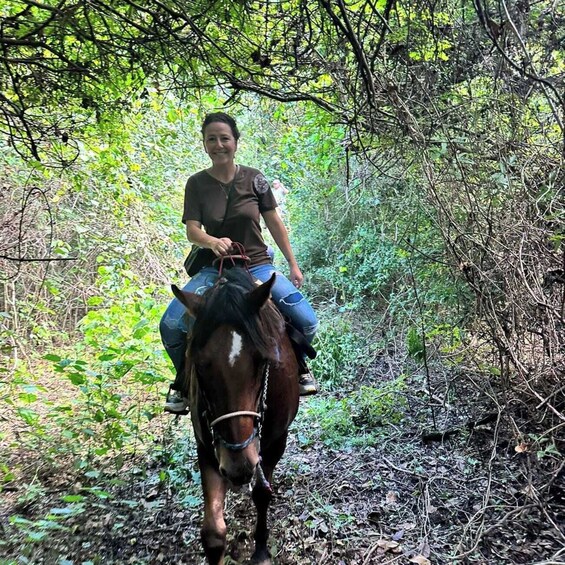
249,197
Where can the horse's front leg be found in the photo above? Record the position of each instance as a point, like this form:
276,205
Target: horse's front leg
213,531
262,498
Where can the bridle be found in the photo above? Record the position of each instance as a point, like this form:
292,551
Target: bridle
257,416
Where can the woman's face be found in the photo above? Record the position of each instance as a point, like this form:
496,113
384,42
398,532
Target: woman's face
219,143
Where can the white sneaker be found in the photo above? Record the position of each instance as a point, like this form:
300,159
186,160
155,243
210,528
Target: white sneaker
175,402
307,384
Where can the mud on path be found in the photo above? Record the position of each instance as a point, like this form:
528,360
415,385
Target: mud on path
470,497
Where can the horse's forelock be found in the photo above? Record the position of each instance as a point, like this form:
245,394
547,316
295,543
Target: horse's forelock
227,304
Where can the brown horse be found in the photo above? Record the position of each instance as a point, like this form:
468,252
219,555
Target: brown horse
243,397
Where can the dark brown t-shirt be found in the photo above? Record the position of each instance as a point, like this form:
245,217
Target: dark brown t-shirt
205,200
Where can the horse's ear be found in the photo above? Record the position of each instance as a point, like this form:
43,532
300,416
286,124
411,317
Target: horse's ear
257,297
192,302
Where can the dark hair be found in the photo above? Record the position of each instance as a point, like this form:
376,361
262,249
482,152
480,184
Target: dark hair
226,304
221,117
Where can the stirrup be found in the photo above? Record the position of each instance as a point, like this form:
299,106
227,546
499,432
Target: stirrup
307,384
176,403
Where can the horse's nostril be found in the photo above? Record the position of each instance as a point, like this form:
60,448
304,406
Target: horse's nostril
223,472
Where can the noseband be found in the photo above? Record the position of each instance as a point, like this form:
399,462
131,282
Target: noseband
257,416
234,446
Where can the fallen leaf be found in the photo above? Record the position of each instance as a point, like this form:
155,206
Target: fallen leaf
388,545
152,494
398,535
420,560
424,549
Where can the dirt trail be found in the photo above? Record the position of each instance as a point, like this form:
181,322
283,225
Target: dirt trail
397,500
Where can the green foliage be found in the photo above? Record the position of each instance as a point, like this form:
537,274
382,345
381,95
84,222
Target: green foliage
415,343
36,531
359,418
325,517
379,406
126,351
544,447
105,404
179,470
342,350
366,268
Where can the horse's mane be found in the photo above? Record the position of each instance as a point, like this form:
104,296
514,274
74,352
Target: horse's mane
226,304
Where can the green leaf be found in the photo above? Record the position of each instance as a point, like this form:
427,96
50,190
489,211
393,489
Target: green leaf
27,397
76,378
61,511
107,356
72,498
36,536
52,357
97,491
30,417
416,347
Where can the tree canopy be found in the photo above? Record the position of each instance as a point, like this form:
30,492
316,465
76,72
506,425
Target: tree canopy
387,67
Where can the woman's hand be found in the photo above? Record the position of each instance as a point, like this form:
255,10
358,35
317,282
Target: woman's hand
221,246
296,276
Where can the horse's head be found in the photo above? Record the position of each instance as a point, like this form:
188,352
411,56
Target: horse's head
234,339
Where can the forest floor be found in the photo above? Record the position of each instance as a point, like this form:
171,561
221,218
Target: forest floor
382,497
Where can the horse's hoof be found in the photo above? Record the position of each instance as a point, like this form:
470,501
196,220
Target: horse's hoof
261,560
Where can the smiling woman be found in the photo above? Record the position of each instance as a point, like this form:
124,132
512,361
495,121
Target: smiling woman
223,207
221,144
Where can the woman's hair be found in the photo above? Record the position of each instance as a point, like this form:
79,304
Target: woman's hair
221,117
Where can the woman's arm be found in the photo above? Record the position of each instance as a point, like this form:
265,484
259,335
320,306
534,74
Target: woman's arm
195,234
280,235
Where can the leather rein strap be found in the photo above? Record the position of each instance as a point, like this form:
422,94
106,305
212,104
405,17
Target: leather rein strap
239,255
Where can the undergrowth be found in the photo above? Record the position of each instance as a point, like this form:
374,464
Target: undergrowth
357,419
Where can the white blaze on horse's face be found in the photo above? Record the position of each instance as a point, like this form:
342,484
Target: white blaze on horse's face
236,344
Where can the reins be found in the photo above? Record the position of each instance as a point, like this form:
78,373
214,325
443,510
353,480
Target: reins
239,256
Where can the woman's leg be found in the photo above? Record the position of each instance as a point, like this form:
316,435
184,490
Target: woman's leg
292,304
176,324
290,301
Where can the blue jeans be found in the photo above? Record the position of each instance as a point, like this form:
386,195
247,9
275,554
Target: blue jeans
176,323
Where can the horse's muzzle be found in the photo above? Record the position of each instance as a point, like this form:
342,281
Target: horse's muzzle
238,474
238,467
